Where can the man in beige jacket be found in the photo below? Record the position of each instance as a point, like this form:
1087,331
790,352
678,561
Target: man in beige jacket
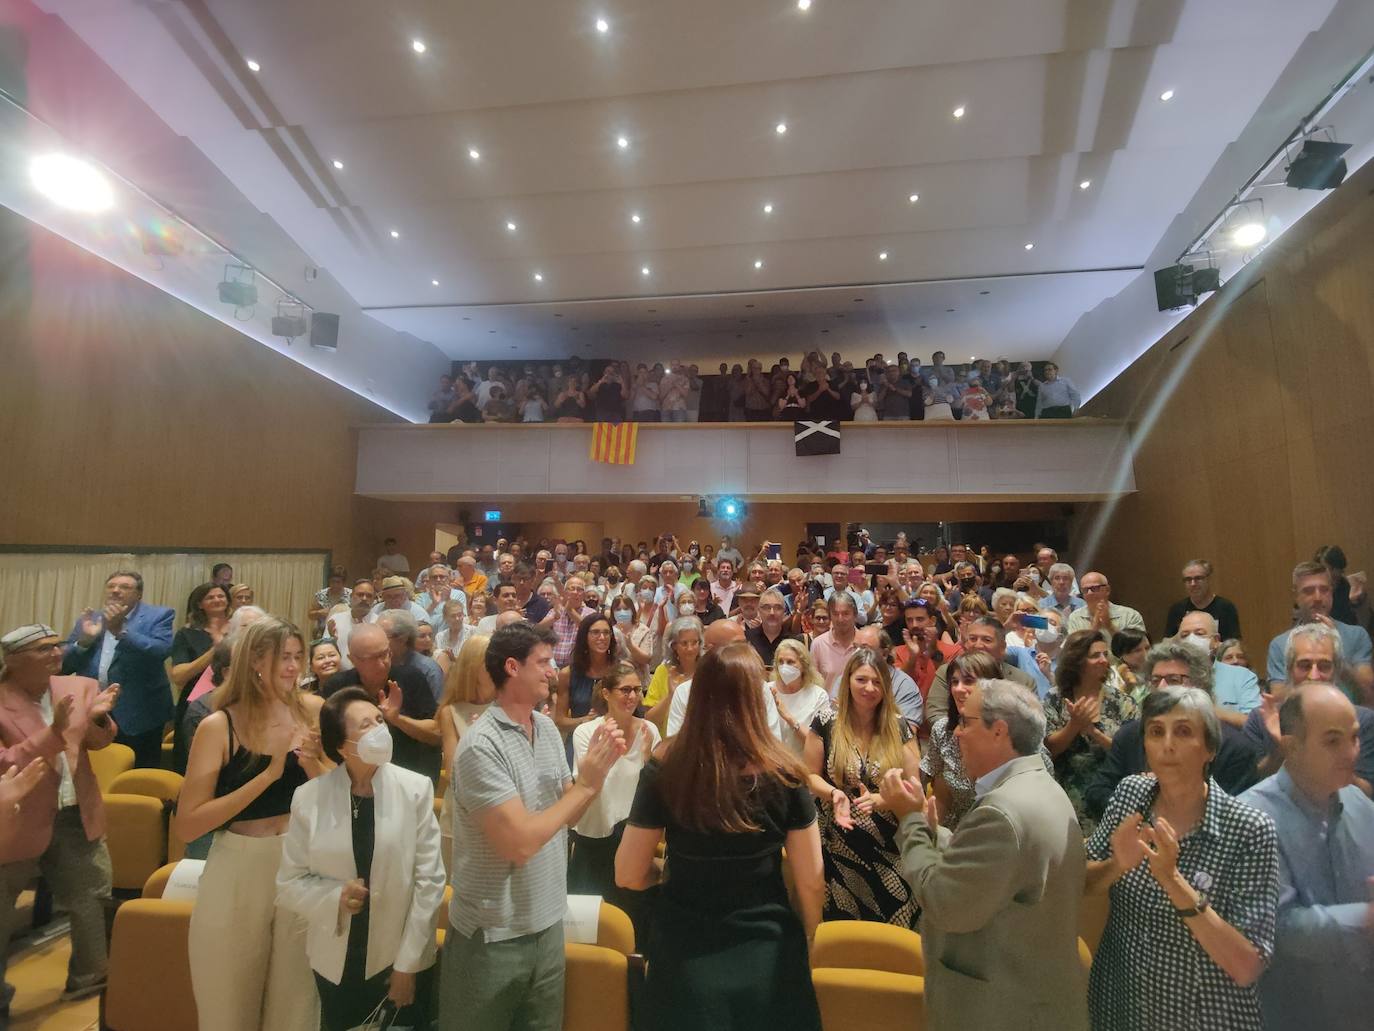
999,901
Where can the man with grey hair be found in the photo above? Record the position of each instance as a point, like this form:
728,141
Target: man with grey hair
396,595
1235,688
400,629
1059,594
999,902
1312,593
439,590
1313,654
1171,664
1197,582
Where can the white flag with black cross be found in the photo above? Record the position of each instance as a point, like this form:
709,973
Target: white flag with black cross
816,438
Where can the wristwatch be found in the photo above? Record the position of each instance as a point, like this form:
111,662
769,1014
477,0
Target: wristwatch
1203,903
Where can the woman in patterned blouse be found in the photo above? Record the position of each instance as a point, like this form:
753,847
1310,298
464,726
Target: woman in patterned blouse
1194,878
1083,714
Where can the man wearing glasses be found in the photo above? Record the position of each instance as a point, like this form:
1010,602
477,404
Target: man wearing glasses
58,829
1098,612
1171,664
1197,581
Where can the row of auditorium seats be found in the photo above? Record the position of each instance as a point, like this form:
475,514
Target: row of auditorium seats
868,977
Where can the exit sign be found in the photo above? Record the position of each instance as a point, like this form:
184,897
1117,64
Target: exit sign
493,517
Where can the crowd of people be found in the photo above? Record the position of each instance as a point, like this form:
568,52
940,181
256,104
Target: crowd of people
954,742
880,389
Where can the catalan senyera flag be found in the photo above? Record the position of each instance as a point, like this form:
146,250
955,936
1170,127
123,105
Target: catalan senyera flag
614,442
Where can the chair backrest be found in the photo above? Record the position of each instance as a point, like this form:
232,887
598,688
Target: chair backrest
869,1000
160,784
156,883
864,945
150,968
614,929
136,838
109,762
596,994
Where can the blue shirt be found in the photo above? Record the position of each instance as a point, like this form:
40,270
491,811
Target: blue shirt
1024,660
1322,972
1235,687
1058,393
1355,646
907,696
990,780
1049,601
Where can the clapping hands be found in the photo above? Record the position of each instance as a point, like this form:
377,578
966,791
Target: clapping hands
606,746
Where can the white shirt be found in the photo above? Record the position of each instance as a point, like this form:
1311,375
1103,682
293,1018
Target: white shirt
677,711
66,792
803,706
414,608
613,803
343,624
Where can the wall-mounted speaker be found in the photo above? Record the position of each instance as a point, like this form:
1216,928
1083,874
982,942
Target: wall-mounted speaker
324,331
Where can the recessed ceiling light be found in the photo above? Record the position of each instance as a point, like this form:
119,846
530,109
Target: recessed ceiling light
984,293
644,271
511,227
1167,95
1248,234
914,198
418,45
474,154
1085,184
622,142
882,255
1030,246
780,128
338,164
635,218
539,277
602,25
803,5
71,183
395,234
768,208
758,263
434,282
959,111
253,66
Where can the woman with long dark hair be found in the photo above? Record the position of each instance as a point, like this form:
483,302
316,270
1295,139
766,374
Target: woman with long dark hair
595,651
726,950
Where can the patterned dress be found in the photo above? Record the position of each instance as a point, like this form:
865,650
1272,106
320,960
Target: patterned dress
1150,973
1075,767
862,881
941,758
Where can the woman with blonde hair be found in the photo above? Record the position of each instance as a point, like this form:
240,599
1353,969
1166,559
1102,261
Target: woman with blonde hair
799,690
727,949
247,758
468,693
848,751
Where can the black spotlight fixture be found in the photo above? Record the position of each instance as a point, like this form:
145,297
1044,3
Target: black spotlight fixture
1318,166
238,287
289,321
1179,286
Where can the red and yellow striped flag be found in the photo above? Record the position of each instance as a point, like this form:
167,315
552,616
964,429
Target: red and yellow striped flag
614,442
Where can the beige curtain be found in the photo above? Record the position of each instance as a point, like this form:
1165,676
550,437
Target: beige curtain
53,587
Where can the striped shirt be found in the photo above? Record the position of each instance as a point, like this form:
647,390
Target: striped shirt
496,762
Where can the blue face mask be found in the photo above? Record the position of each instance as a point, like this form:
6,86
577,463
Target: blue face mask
622,615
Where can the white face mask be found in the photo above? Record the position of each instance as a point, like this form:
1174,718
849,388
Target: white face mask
374,747
687,608
646,596
1198,643
788,673
1049,635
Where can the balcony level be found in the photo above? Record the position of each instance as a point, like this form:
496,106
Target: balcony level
1051,460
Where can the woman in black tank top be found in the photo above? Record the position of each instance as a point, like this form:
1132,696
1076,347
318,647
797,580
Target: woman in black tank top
248,756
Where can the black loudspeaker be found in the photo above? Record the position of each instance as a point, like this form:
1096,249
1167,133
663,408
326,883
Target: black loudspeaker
1174,287
1318,166
324,331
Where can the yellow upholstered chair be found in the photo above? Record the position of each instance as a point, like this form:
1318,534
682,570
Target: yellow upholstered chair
136,836
156,883
109,762
597,993
150,969
160,784
864,945
868,977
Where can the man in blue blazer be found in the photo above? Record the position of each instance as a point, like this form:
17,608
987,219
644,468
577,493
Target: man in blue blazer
127,643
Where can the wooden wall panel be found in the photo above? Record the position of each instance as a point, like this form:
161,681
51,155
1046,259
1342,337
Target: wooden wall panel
130,419
1252,422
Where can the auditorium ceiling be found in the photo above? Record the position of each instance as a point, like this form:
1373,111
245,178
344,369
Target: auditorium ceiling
535,178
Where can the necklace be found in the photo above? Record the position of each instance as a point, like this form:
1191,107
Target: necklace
356,803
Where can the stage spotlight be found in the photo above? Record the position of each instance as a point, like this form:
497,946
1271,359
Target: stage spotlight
71,183
238,287
730,509
289,322
1318,166
1180,285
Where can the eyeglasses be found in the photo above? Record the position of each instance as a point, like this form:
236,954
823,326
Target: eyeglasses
1093,588
1171,680
628,692
1194,579
598,633
968,719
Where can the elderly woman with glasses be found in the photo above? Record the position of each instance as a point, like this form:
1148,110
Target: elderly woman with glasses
1193,876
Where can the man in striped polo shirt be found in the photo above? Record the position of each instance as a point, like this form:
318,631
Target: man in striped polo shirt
503,956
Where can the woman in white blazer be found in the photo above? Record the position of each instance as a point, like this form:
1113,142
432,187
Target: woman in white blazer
361,866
